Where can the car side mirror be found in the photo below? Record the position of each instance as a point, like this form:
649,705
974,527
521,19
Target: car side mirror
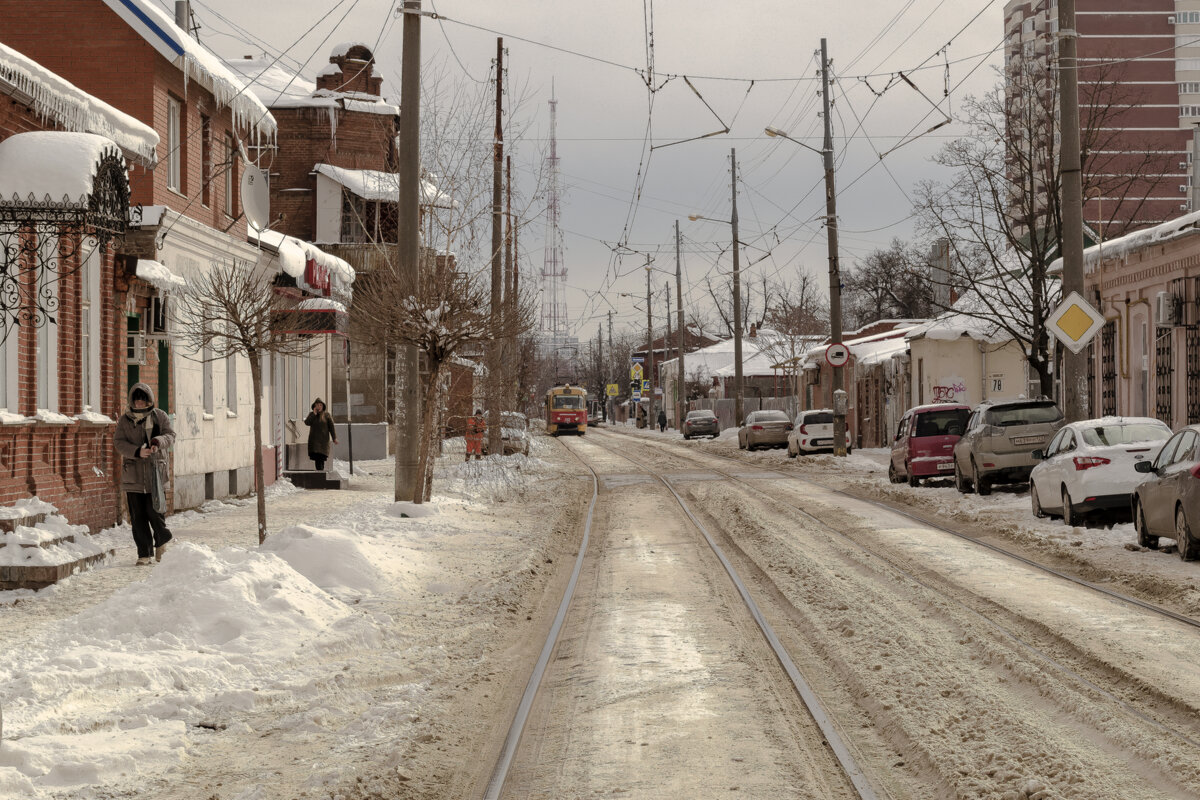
1038,455
1144,466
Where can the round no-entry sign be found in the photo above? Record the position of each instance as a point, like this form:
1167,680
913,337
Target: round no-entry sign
838,355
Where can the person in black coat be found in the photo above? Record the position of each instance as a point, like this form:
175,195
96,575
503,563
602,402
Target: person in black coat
662,420
321,432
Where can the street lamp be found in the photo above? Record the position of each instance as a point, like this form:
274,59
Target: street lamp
835,280
737,292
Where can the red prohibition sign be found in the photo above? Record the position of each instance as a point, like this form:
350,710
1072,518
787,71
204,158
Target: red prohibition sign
837,355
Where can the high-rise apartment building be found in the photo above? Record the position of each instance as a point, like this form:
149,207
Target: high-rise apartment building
1139,90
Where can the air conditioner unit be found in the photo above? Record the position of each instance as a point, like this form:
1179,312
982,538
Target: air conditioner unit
1184,207
1183,188
1170,19
135,349
1183,166
1166,309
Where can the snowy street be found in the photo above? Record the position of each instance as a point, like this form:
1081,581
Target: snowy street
364,654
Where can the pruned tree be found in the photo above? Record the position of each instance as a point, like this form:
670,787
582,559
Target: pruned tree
796,320
1001,212
232,310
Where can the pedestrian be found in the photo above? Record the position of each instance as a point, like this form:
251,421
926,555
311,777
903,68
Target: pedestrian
143,436
321,432
662,420
476,428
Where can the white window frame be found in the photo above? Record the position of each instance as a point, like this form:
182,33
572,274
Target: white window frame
231,393
174,137
46,353
89,328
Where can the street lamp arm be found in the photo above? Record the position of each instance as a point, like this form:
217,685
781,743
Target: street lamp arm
782,135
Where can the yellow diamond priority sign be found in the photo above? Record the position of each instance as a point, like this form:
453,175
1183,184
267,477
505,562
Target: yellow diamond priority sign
1075,322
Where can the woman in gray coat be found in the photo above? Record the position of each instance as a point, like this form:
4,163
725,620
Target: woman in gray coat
320,433
143,436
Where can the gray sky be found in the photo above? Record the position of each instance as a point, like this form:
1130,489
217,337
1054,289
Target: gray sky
604,108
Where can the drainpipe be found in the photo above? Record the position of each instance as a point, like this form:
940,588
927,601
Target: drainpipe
983,372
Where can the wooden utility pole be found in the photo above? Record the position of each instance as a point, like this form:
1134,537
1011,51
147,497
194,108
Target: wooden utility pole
681,397
408,224
495,347
666,344
835,279
509,342
649,351
1074,385
608,404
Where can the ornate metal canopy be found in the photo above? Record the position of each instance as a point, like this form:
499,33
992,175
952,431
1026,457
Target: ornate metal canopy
43,240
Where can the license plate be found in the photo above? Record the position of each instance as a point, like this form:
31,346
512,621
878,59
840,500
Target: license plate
1028,439
946,465
822,442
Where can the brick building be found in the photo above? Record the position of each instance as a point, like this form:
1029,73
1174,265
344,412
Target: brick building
1141,60
187,215
61,151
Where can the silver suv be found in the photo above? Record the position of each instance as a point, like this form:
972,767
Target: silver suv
999,442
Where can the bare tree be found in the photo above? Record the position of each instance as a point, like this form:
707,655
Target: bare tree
1001,213
797,319
895,283
232,310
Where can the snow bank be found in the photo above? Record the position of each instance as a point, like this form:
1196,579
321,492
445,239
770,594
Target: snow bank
51,167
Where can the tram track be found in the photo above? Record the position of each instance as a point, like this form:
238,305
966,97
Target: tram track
1165,716
831,737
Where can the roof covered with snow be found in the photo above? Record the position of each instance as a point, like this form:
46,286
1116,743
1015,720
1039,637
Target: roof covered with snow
967,317
295,253
68,106
41,168
1121,247
372,184
197,62
279,88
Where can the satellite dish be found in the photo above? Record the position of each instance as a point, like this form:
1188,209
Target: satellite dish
256,196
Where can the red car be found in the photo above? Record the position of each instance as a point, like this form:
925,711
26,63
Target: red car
924,443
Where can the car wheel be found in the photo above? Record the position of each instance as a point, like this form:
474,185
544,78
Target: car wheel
913,480
892,476
1143,531
1071,515
1037,504
686,437
1188,545
960,481
791,452
982,487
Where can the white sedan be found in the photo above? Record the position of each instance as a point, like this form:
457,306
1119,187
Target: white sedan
1088,466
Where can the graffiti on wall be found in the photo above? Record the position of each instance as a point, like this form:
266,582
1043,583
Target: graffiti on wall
949,390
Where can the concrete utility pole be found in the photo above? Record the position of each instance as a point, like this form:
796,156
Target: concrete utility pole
649,350
408,223
835,278
609,402
495,442
737,297
681,397
1074,384
666,344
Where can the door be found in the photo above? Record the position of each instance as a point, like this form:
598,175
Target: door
1176,474
900,446
1153,492
1045,477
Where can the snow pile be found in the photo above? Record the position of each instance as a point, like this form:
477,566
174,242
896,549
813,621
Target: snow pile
493,479
52,167
46,544
75,110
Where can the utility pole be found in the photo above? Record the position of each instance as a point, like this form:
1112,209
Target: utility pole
649,351
509,341
737,297
609,402
835,279
408,223
495,442
681,397
666,344
1074,385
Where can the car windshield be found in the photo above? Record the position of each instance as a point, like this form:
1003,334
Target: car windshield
571,401
819,418
1105,435
948,422
771,416
1024,414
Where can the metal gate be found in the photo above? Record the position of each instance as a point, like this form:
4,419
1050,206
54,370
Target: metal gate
1192,347
1108,369
1163,369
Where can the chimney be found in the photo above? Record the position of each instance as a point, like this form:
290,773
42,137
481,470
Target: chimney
183,15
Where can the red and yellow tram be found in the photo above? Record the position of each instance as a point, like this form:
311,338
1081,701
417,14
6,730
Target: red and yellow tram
566,410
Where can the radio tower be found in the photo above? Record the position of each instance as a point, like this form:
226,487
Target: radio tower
554,291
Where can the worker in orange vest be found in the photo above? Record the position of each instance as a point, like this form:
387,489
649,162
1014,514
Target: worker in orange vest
476,428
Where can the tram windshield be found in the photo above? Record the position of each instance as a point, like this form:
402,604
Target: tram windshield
573,402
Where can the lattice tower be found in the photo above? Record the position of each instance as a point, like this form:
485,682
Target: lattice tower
554,272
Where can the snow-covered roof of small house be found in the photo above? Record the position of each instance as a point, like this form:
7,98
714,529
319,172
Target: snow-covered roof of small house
1122,246
372,184
68,106
295,253
866,350
51,168
196,61
970,316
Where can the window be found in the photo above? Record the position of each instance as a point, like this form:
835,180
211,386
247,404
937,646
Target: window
1189,87
47,332
174,144
89,330
231,397
230,168
207,377
206,161
1189,111
1129,433
1187,17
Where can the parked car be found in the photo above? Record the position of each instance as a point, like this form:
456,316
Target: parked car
703,422
924,443
514,433
1167,503
1090,466
764,429
998,445
812,432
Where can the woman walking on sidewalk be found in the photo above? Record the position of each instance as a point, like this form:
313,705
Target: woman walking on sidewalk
321,432
143,436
